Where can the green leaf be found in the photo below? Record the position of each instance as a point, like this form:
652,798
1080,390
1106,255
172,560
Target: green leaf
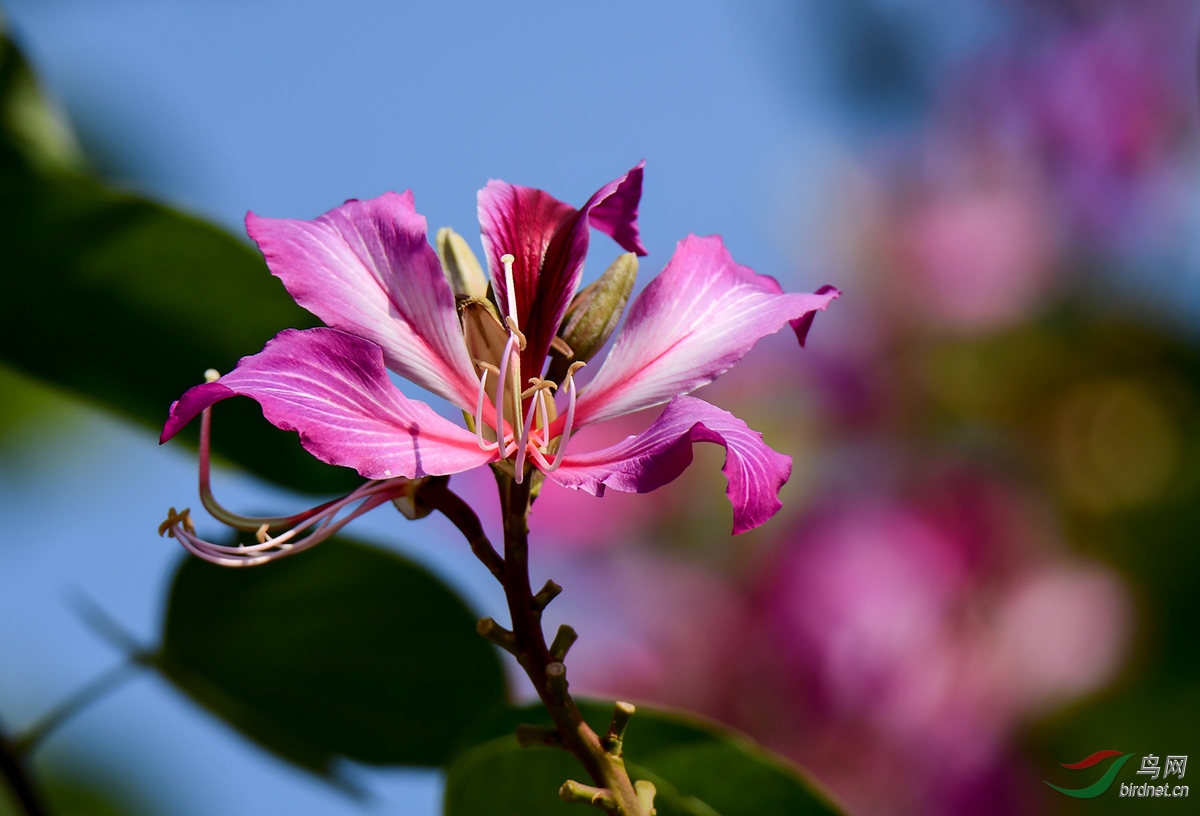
343,651
699,768
127,302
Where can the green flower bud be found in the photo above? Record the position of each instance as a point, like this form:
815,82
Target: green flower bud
593,315
460,265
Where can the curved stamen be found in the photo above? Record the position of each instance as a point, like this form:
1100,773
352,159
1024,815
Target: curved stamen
483,444
544,416
504,358
247,524
537,391
568,426
270,549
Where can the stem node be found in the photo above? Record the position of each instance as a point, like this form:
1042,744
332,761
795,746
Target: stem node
497,634
556,681
545,595
614,739
573,791
562,643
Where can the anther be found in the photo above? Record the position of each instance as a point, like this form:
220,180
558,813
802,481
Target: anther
211,375
511,322
183,518
537,384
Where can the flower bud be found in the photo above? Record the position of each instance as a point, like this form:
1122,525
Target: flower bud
594,313
460,265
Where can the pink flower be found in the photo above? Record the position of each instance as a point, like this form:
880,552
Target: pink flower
367,270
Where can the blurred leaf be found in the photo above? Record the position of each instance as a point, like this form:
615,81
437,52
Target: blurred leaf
700,769
32,126
346,650
127,302
84,791
29,411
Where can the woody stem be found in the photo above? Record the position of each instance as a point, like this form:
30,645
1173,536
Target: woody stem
547,673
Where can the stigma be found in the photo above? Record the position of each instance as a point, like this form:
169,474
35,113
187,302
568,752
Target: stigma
510,290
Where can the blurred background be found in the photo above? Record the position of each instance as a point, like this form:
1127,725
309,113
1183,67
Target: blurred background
986,564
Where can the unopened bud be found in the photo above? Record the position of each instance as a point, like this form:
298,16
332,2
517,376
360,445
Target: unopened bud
594,313
460,265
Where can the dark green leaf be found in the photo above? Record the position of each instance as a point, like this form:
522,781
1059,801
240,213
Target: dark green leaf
700,769
127,302
345,650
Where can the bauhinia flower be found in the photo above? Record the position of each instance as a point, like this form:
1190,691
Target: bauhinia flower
505,353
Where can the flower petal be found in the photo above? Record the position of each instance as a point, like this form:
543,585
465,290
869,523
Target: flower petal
655,457
548,240
366,268
689,326
333,388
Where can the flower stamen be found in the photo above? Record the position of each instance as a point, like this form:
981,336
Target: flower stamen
325,524
484,444
503,374
568,426
247,524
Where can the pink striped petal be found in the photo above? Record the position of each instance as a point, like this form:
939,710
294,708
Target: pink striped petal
689,326
661,452
333,389
549,240
366,268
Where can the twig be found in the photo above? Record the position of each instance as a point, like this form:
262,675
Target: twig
110,680
436,495
24,791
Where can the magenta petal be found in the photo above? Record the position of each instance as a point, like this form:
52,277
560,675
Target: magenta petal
614,208
548,241
689,326
333,389
659,454
366,268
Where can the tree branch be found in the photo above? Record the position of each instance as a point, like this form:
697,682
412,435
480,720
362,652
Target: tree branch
24,791
545,669
438,496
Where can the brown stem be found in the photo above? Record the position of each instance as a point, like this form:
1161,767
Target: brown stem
547,673
12,767
438,496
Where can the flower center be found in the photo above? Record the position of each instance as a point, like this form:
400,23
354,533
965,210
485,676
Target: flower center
528,435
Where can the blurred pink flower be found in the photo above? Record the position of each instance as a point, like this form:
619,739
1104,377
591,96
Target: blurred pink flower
652,628
979,257
903,644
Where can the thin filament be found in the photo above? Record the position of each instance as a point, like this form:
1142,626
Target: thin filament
523,441
504,358
269,549
247,524
568,426
484,444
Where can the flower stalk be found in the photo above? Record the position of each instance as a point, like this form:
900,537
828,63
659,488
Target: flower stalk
543,664
614,792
